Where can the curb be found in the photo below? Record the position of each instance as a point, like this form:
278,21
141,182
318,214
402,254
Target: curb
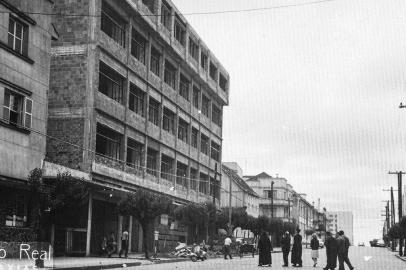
402,258
102,266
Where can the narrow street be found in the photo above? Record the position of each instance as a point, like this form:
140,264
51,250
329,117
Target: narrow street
365,258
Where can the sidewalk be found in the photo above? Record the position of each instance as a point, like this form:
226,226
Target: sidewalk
403,258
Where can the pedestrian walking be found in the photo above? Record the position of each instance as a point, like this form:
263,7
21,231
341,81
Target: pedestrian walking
314,245
124,244
343,248
265,248
296,258
227,247
285,243
331,251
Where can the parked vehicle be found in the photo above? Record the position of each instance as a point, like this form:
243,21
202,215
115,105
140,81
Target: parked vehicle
196,252
361,244
199,252
246,247
377,243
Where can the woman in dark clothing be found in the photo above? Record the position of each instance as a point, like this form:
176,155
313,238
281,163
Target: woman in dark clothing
265,248
331,251
285,243
314,245
296,258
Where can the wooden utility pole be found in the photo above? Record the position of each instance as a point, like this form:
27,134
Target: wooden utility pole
272,183
399,174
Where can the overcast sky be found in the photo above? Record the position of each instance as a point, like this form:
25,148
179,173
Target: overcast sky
314,96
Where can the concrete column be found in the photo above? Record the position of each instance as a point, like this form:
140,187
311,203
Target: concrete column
130,233
89,223
119,232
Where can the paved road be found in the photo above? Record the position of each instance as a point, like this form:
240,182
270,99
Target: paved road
381,259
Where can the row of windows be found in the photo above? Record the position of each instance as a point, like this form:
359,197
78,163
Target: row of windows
114,26
109,144
112,85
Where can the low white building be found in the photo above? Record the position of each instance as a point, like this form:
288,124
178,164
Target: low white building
241,194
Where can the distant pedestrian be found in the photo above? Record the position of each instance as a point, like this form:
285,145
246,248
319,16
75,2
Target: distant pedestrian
343,248
227,247
314,245
111,244
331,251
124,244
296,258
265,248
285,243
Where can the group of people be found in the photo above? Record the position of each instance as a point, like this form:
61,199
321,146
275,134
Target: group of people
109,245
336,248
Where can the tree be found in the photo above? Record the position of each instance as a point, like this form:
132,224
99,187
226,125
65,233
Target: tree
194,216
145,206
67,194
394,232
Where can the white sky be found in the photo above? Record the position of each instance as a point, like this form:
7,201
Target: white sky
314,96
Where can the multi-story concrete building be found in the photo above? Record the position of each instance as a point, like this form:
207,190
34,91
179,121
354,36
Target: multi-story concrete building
25,41
341,221
136,101
272,190
235,190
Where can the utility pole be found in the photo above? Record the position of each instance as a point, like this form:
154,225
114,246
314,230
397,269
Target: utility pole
399,174
216,191
229,207
272,183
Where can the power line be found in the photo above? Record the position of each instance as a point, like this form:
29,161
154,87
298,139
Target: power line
186,14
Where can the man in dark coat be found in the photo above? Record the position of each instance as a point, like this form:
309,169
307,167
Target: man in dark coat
285,243
331,251
265,248
343,247
296,258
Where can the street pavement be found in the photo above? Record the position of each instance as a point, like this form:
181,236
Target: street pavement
365,258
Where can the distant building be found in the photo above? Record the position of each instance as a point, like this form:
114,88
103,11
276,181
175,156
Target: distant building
341,221
241,193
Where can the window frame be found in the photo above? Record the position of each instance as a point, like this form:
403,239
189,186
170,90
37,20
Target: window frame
152,159
136,100
193,49
215,151
204,60
204,144
184,87
168,120
22,113
183,130
153,115
181,174
205,110
179,31
216,115
167,162
166,15
195,138
155,61
23,38
114,19
196,98
138,46
170,74
113,150
137,150
113,77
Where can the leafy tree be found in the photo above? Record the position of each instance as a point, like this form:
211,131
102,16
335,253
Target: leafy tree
67,194
394,232
290,227
194,216
145,206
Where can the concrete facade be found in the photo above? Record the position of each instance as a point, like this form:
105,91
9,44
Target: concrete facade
241,194
136,101
25,42
341,220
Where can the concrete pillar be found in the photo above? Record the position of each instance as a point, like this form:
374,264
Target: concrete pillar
119,232
130,233
89,223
